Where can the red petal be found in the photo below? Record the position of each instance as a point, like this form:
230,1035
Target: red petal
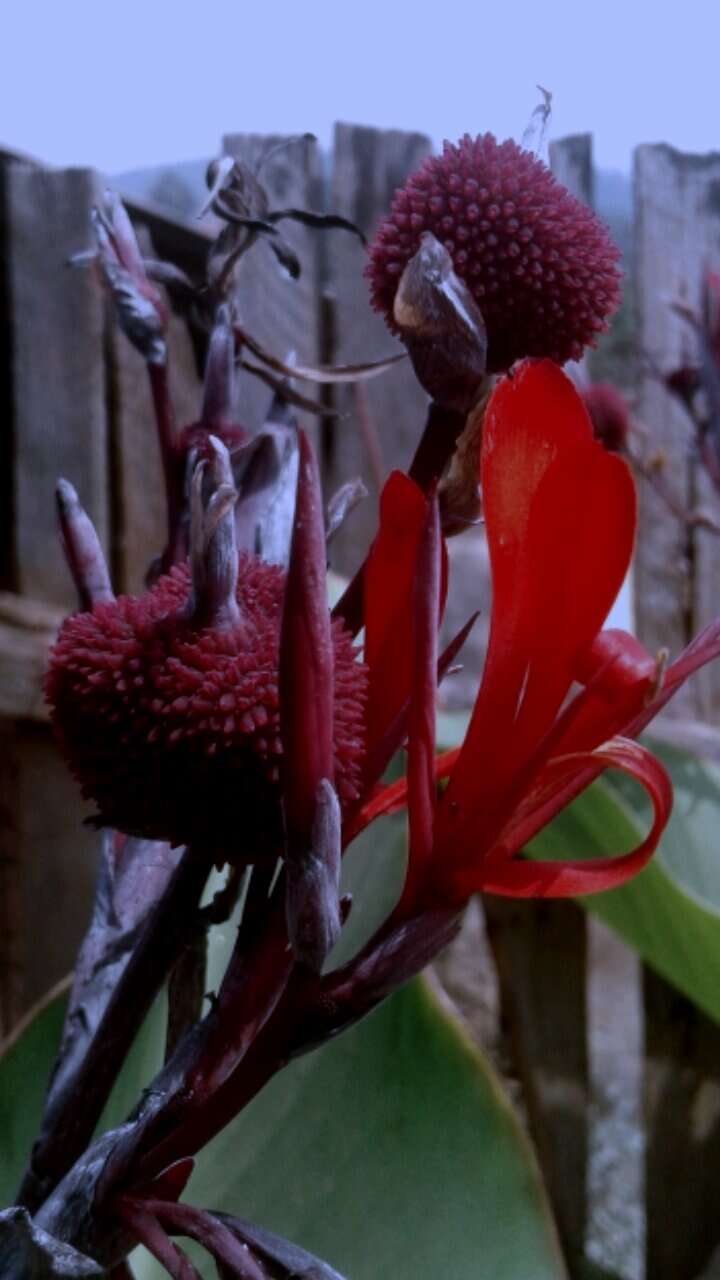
385,801
501,874
560,515
389,577
421,723
704,648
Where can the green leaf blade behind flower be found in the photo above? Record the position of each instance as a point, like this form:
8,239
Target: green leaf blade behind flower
670,913
391,1152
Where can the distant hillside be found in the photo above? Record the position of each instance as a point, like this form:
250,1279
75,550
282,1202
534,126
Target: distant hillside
613,201
179,188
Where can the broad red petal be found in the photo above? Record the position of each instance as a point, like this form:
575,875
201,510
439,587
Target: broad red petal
560,515
502,874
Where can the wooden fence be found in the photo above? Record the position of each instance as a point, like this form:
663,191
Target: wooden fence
74,402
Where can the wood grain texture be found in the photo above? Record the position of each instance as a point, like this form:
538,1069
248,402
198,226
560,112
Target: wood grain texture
540,956
58,375
27,629
682,1105
677,230
572,164
368,166
283,314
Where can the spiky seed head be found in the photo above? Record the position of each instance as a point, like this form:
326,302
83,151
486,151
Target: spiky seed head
539,263
174,732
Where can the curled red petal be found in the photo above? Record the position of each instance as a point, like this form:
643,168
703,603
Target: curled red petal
498,873
560,516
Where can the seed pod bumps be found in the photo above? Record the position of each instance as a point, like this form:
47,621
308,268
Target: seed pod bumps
540,264
173,731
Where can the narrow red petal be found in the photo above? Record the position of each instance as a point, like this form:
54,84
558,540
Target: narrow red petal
703,649
388,607
501,874
421,724
560,516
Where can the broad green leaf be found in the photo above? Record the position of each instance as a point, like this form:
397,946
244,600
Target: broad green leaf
393,1151
24,1070
673,924
670,913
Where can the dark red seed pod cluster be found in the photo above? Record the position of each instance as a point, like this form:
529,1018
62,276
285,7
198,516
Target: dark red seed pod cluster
539,263
174,733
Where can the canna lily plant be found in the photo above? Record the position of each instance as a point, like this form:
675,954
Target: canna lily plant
228,718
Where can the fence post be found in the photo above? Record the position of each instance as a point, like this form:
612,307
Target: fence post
367,167
677,228
541,954
283,314
53,330
677,220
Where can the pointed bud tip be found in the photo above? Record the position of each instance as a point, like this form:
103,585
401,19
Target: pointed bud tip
66,495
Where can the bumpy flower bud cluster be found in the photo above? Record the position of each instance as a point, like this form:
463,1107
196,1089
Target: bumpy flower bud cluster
173,731
540,265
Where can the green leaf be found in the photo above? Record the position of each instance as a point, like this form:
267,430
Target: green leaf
24,1071
392,1151
670,913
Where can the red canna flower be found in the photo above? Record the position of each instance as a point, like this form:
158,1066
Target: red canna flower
556,690
538,263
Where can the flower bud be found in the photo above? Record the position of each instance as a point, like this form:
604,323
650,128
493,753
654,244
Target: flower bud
441,326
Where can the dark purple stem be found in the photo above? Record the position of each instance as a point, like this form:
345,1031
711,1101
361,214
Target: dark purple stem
71,1119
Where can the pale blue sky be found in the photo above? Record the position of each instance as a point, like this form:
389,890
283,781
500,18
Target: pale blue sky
126,84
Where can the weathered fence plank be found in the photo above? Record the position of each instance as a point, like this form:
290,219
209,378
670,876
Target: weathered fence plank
541,954
541,962
677,591
283,314
677,229
682,1104
368,166
571,161
54,327
58,379
27,629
